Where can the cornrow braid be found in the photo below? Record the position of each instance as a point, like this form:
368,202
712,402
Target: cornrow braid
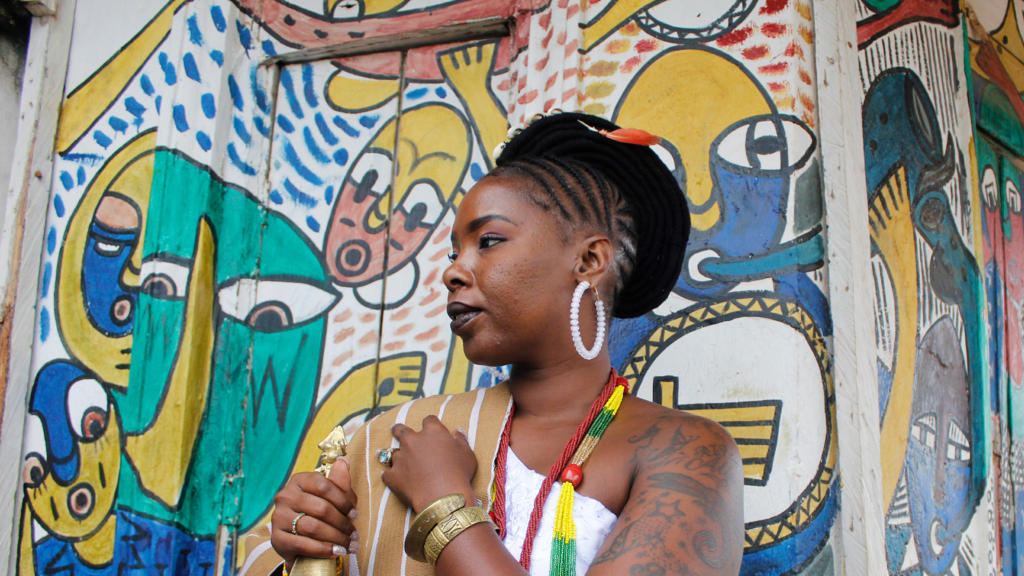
583,200
589,179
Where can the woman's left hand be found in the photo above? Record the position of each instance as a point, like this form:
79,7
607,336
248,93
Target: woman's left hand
430,464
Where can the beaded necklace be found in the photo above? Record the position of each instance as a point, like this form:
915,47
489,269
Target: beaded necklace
569,470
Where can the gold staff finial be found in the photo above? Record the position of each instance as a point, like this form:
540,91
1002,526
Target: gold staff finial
333,448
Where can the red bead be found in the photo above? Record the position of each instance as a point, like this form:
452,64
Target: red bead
572,474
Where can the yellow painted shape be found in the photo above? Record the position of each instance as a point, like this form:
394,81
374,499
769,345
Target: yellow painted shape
472,82
91,99
619,12
130,173
697,117
759,432
407,372
161,454
354,394
753,470
50,497
892,231
379,6
98,549
753,451
739,413
456,379
354,94
433,146
351,395
1011,52
26,553
668,393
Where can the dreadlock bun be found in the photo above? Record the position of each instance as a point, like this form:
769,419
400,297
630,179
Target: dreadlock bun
656,203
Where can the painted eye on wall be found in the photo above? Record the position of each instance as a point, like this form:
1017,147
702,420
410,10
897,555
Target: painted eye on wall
923,429
989,188
273,305
959,447
87,405
371,175
422,206
109,249
164,279
34,468
1013,197
764,144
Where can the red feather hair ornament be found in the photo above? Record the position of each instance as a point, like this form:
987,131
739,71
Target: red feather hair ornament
628,135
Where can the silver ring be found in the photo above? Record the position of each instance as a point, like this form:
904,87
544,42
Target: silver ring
296,522
384,456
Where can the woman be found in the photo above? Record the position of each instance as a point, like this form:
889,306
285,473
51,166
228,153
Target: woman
578,218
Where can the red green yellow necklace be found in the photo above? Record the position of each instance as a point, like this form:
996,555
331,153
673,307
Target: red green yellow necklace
569,470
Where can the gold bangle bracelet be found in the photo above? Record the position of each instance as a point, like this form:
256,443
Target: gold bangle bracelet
450,527
426,520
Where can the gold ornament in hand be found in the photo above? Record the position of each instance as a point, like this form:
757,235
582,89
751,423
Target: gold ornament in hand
333,448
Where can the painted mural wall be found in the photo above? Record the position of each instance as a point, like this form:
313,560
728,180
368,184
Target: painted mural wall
928,272
240,256
996,52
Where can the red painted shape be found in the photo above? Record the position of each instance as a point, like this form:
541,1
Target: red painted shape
528,97
737,36
300,29
774,69
773,7
646,45
989,63
755,52
545,20
944,12
774,29
794,49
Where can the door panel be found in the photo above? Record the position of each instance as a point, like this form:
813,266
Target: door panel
453,116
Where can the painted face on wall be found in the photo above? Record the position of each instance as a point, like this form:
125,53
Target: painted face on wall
98,273
938,461
730,149
231,314
72,452
897,105
433,155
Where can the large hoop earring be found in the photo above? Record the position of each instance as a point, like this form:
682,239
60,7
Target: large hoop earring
574,322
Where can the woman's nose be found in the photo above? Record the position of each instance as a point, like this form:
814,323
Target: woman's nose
455,276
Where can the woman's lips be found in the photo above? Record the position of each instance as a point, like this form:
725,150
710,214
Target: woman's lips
461,314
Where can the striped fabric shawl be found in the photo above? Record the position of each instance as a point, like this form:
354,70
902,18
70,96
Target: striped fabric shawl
384,521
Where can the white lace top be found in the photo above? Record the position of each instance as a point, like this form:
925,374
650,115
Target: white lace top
593,520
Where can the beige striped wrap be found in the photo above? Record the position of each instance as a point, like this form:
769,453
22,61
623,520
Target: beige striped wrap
384,521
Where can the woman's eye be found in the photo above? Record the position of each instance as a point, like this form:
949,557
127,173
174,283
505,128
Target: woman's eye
488,241
452,256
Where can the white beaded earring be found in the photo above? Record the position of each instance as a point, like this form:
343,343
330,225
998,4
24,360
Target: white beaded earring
574,322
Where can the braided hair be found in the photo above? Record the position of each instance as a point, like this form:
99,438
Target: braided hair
582,199
591,182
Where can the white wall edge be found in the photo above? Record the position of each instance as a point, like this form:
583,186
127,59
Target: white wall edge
22,245
861,513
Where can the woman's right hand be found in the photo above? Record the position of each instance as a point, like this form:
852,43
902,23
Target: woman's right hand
325,530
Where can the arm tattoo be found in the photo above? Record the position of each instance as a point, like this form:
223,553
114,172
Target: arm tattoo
680,512
704,542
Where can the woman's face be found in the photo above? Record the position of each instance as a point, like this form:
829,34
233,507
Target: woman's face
512,278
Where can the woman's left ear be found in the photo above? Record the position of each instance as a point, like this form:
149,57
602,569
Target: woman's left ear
595,260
